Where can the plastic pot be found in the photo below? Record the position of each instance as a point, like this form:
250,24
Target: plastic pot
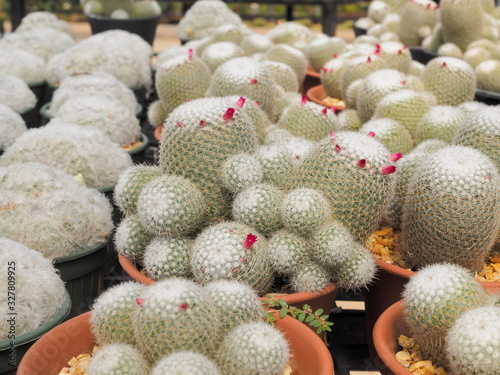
11,355
53,351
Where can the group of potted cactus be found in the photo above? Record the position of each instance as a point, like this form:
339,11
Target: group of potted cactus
258,187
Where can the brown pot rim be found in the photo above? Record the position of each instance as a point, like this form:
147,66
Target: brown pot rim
312,73
157,132
130,268
316,94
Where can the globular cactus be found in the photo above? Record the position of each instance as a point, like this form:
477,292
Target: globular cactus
197,139
118,359
259,207
360,67
255,43
348,119
288,252
157,113
283,75
168,257
377,10
350,96
461,21
235,303
111,314
290,33
396,54
145,8
450,79
456,187
11,127
171,206
185,362
354,172
290,56
232,251
132,238
241,171
130,184
322,50
418,17
472,344
308,120
450,49
217,53
330,76
481,130
181,78
255,112
475,56
487,75
390,133
16,94
348,262
440,122
253,348
168,316
433,299
305,210
309,277
298,148
276,164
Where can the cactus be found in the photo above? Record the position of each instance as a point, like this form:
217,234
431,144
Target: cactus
390,133
219,52
360,67
26,65
283,75
456,187
145,8
235,303
198,137
475,56
330,76
396,54
259,207
253,348
461,21
434,298
310,277
168,316
418,18
255,43
241,171
451,80
288,252
111,317
168,257
450,49
181,78
351,94
405,106
118,359
487,75
170,206
322,50
131,238
15,93
290,33
304,210
348,119
290,56
156,113
472,342
185,362
341,161
298,148
11,126
440,122
276,164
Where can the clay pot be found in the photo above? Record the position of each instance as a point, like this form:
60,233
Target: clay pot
157,133
317,95
53,351
311,80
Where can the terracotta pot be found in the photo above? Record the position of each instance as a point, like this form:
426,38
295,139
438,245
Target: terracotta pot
130,269
311,80
53,351
157,133
387,329
317,95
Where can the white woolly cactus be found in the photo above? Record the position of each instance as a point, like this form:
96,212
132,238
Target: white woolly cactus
37,19
118,359
259,207
39,292
241,171
487,75
390,133
456,187
290,56
12,126
290,33
348,119
330,76
26,65
298,148
234,251
472,344
15,93
440,122
107,114
217,53
185,362
255,43
276,164
47,210
305,210
288,252
322,50
310,277
72,148
418,17
168,257
168,317
170,205
131,238
396,54
461,21
283,75
111,314
360,67
253,348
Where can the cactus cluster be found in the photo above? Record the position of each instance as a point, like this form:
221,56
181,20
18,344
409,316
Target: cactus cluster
122,9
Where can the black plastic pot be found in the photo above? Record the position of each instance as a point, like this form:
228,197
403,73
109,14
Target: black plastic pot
487,97
144,27
422,55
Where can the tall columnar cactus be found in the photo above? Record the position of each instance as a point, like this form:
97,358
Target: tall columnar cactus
235,303
168,316
232,251
255,43
187,361
418,17
259,207
130,184
472,344
111,315
118,359
450,79
168,257
181,78
349,263
440,122
455,188
253,348
288,252
390,133
132,238
197,139
308,120
322,50
354,172
241,171
433,300
360,67
462,21
481,130
171,205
